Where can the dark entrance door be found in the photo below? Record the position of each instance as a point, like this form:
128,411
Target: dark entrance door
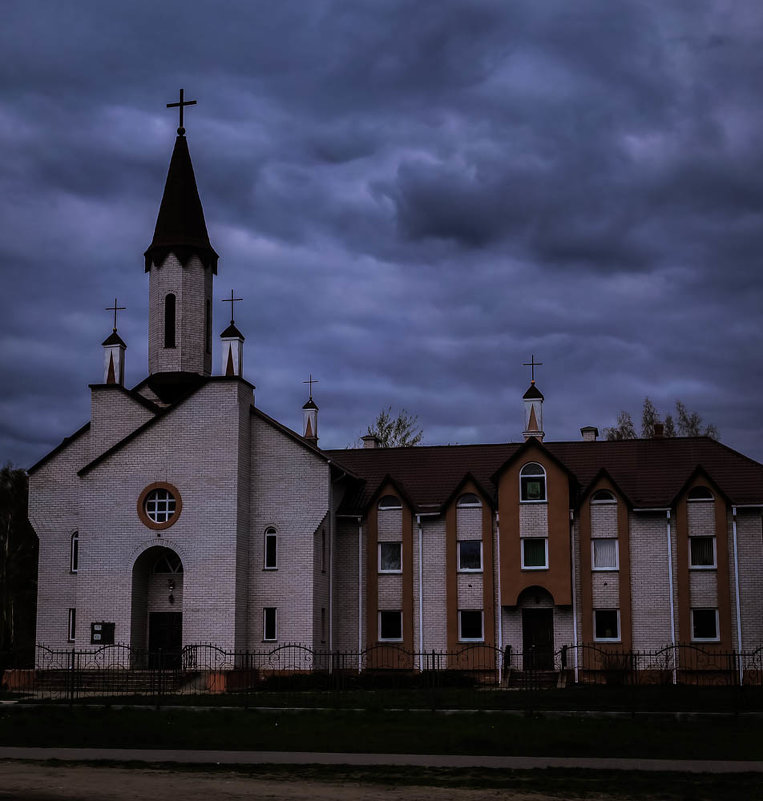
538,639
165,639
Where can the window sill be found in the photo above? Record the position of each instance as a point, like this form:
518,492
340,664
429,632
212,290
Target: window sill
545,567
471,639
270,569
543,501
471,570
705,639
607,639
703,567
391,572
605,569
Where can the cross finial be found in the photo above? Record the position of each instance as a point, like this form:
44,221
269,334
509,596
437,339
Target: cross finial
532,364
231,300
181,104
311,381
115,309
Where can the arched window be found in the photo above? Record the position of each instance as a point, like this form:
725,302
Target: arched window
389,502
532,483
468,500
271,549
700,494
603,496
169,321
74,553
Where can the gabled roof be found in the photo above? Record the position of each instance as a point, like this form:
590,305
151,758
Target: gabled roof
180,226
650,473
65,442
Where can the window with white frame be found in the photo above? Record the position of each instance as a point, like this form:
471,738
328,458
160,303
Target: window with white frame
702,553
603,496
532,483
700,494
604,553
160,505
534,553
390,557
72,625
606,625
704,625
271,549
470,556
389,502
468,501
270,623
470,625
391,625
74,553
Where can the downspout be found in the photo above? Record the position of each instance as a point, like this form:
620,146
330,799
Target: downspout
360,594
737,601
498,607
330,555
421,594
573,567
670,594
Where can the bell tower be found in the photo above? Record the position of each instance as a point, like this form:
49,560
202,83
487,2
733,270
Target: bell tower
181,264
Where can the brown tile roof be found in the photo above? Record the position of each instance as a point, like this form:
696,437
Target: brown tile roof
651,473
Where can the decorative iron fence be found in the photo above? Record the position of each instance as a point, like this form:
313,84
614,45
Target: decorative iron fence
208,669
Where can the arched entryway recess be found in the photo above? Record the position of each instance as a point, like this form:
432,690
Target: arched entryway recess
536,606
157,606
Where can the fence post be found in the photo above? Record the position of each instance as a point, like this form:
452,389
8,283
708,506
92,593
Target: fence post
70,675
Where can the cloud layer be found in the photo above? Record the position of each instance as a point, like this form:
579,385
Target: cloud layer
412,198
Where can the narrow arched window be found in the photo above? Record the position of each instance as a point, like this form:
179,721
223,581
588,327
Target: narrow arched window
271,549
74,553
468,500
603,496
532,482
700,494
169,321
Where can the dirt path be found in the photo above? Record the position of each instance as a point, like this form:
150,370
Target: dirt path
34,782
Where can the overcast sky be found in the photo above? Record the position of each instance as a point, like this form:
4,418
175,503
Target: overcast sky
411,197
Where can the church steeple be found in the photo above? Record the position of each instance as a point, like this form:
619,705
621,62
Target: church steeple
533,400
310,415
181,264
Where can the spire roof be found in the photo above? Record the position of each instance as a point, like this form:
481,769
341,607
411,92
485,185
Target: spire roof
532,392
180,226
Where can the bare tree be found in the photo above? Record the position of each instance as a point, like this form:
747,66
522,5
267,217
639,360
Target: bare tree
684,424
400,431
623,429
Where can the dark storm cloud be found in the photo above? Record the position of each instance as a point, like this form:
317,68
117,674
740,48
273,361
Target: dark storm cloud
411,197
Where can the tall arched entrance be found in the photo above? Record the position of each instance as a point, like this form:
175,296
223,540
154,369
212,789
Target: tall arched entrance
157,606
537,605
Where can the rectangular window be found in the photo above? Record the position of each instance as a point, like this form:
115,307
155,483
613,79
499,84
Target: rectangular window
323,624
533,488
72,630
470,555
390,557
704,625
535,553
606,625
269,627
470,625
391,626
702,552
604,553
74,553
271,549
323,550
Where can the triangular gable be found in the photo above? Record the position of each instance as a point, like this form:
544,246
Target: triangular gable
526,446
468,477
699,471
388,481
603,473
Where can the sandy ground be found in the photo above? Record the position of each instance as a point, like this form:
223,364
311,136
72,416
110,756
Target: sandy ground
33,782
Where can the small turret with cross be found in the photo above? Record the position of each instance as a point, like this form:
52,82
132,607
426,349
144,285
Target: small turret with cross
310,413
233,344
114,352
533,401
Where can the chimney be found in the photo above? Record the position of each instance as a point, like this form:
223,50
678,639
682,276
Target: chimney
659,431
589,433
371,441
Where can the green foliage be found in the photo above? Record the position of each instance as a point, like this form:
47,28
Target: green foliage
18,564
684,424
400,431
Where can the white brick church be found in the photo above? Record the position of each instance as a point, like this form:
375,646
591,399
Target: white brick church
182,514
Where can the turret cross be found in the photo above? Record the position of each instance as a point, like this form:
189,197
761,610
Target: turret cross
231,300
115,309
532,364
181,104
311,381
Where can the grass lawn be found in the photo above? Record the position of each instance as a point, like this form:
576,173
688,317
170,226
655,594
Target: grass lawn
382,731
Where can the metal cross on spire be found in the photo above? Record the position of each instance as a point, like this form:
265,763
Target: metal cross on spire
181,105
231,300
532,364
115,309
311,381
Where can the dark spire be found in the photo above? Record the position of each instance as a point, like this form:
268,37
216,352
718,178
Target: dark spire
180,226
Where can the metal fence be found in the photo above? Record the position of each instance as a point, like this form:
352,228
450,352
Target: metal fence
205,669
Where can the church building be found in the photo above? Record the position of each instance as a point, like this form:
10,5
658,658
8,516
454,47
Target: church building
182,514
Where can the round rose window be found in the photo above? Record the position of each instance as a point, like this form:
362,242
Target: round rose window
159,505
